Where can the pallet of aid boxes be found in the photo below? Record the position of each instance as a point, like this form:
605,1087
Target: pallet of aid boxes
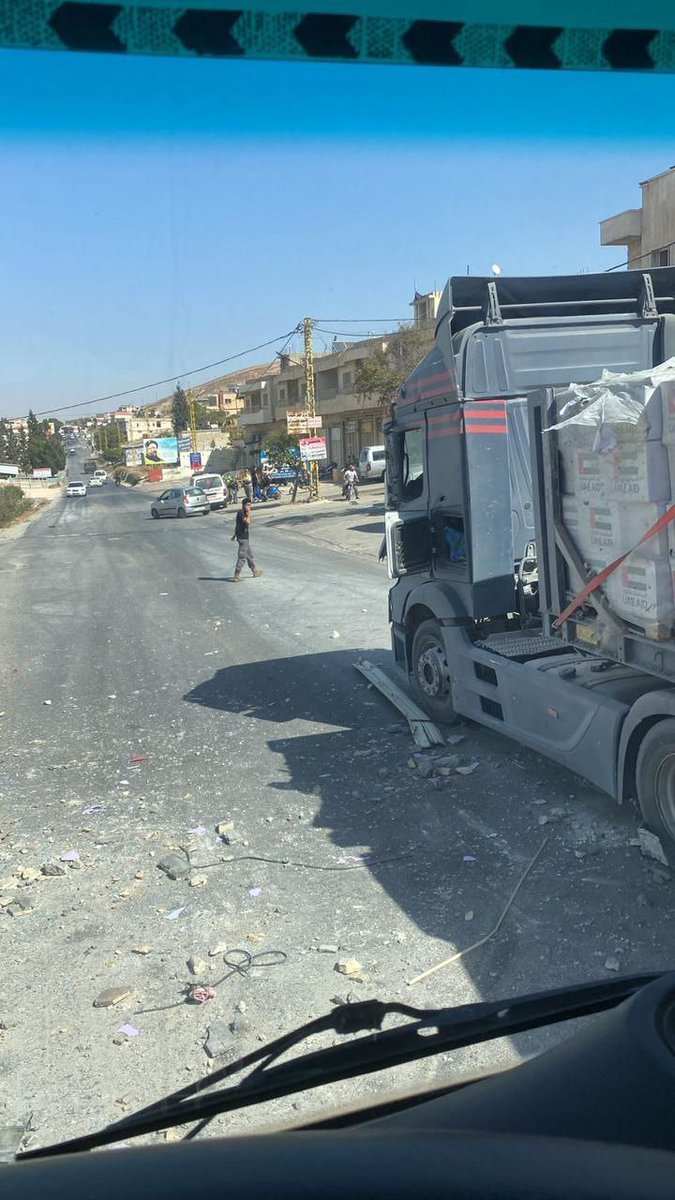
616,448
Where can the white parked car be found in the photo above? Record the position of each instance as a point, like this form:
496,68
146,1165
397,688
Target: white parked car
76,487
214,486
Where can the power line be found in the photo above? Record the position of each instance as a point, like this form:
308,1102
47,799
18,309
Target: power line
160,382
630,261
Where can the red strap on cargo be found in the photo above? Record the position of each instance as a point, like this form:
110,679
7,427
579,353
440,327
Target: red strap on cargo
600,578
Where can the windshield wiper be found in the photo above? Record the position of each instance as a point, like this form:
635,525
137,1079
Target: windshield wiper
432,1032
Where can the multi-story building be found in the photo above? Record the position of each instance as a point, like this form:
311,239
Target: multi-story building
648,232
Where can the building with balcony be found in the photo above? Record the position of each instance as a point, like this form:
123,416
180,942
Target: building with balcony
648,232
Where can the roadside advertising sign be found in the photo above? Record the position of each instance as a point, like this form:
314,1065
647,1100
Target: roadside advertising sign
296,420
312,449
195,462
133,456
42,472
161,452
314,422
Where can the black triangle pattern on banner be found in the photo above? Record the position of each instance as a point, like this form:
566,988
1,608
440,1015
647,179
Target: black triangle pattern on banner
87,26
324,36
234,33
209,32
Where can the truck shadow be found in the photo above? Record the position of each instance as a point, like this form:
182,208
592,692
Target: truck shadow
443,853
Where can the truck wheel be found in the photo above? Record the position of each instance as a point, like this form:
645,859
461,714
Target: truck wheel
431,674
655,778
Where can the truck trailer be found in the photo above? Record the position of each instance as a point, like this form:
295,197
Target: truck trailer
521,597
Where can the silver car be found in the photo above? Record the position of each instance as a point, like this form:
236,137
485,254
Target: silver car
180,502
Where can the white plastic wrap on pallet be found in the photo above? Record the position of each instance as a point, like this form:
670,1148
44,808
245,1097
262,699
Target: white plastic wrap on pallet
615,403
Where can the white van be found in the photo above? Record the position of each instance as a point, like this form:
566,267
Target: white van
214,486
371,463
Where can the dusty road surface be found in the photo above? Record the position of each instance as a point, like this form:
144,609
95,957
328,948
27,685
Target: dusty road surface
147,700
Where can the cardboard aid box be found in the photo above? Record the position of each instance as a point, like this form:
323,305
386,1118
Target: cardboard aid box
603,529
641,592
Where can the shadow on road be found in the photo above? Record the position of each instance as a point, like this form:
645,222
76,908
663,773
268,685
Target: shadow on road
354,764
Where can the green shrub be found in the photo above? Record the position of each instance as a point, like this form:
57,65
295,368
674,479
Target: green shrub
12,504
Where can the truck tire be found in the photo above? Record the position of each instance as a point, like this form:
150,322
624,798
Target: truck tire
431,674
655,779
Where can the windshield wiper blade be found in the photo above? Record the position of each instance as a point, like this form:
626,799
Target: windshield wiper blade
435,1031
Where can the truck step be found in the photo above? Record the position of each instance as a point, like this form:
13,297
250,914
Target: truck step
522,645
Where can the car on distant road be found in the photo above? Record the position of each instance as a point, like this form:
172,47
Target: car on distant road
180,502
76,487
214,486
101,474
96,481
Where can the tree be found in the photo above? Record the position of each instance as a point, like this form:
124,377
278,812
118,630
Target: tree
180,411
384,371
282,450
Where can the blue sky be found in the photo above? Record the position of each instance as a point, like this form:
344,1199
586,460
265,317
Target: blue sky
159,214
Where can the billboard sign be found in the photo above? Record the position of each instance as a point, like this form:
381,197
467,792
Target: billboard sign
313,449
161,452
195,462
133,456
185,443
296,420
42,472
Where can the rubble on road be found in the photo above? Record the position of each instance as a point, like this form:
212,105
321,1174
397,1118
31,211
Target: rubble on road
650,845
111,996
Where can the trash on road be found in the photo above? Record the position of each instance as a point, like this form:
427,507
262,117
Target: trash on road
612,964
176,866
254,891
469,858
111,996
69,856
335,634
128,1030
196,965
348,966
219,1040
139,758
198,881
93,808
650,845
200,994
198,829
174,914
423,730
46,702
141,949
468,916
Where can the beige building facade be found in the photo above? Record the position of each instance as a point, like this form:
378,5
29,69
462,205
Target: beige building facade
648,232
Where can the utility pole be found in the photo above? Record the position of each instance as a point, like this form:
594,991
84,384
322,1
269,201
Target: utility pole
310,402
193,419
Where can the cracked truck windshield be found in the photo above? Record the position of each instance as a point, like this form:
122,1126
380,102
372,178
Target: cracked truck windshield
337,630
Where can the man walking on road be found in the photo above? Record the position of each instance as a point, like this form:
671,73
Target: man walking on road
242,529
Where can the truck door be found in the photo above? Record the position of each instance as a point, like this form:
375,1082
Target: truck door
407,526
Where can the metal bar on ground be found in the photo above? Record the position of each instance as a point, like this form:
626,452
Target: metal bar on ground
423,730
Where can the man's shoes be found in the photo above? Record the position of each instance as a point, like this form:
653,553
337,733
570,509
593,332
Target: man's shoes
256,573
237,578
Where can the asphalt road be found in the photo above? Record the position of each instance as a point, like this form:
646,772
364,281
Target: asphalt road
145,698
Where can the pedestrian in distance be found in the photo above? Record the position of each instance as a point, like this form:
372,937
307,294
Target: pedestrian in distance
350,484
242,532
246,484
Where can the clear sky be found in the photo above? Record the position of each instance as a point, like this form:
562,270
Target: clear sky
158,214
